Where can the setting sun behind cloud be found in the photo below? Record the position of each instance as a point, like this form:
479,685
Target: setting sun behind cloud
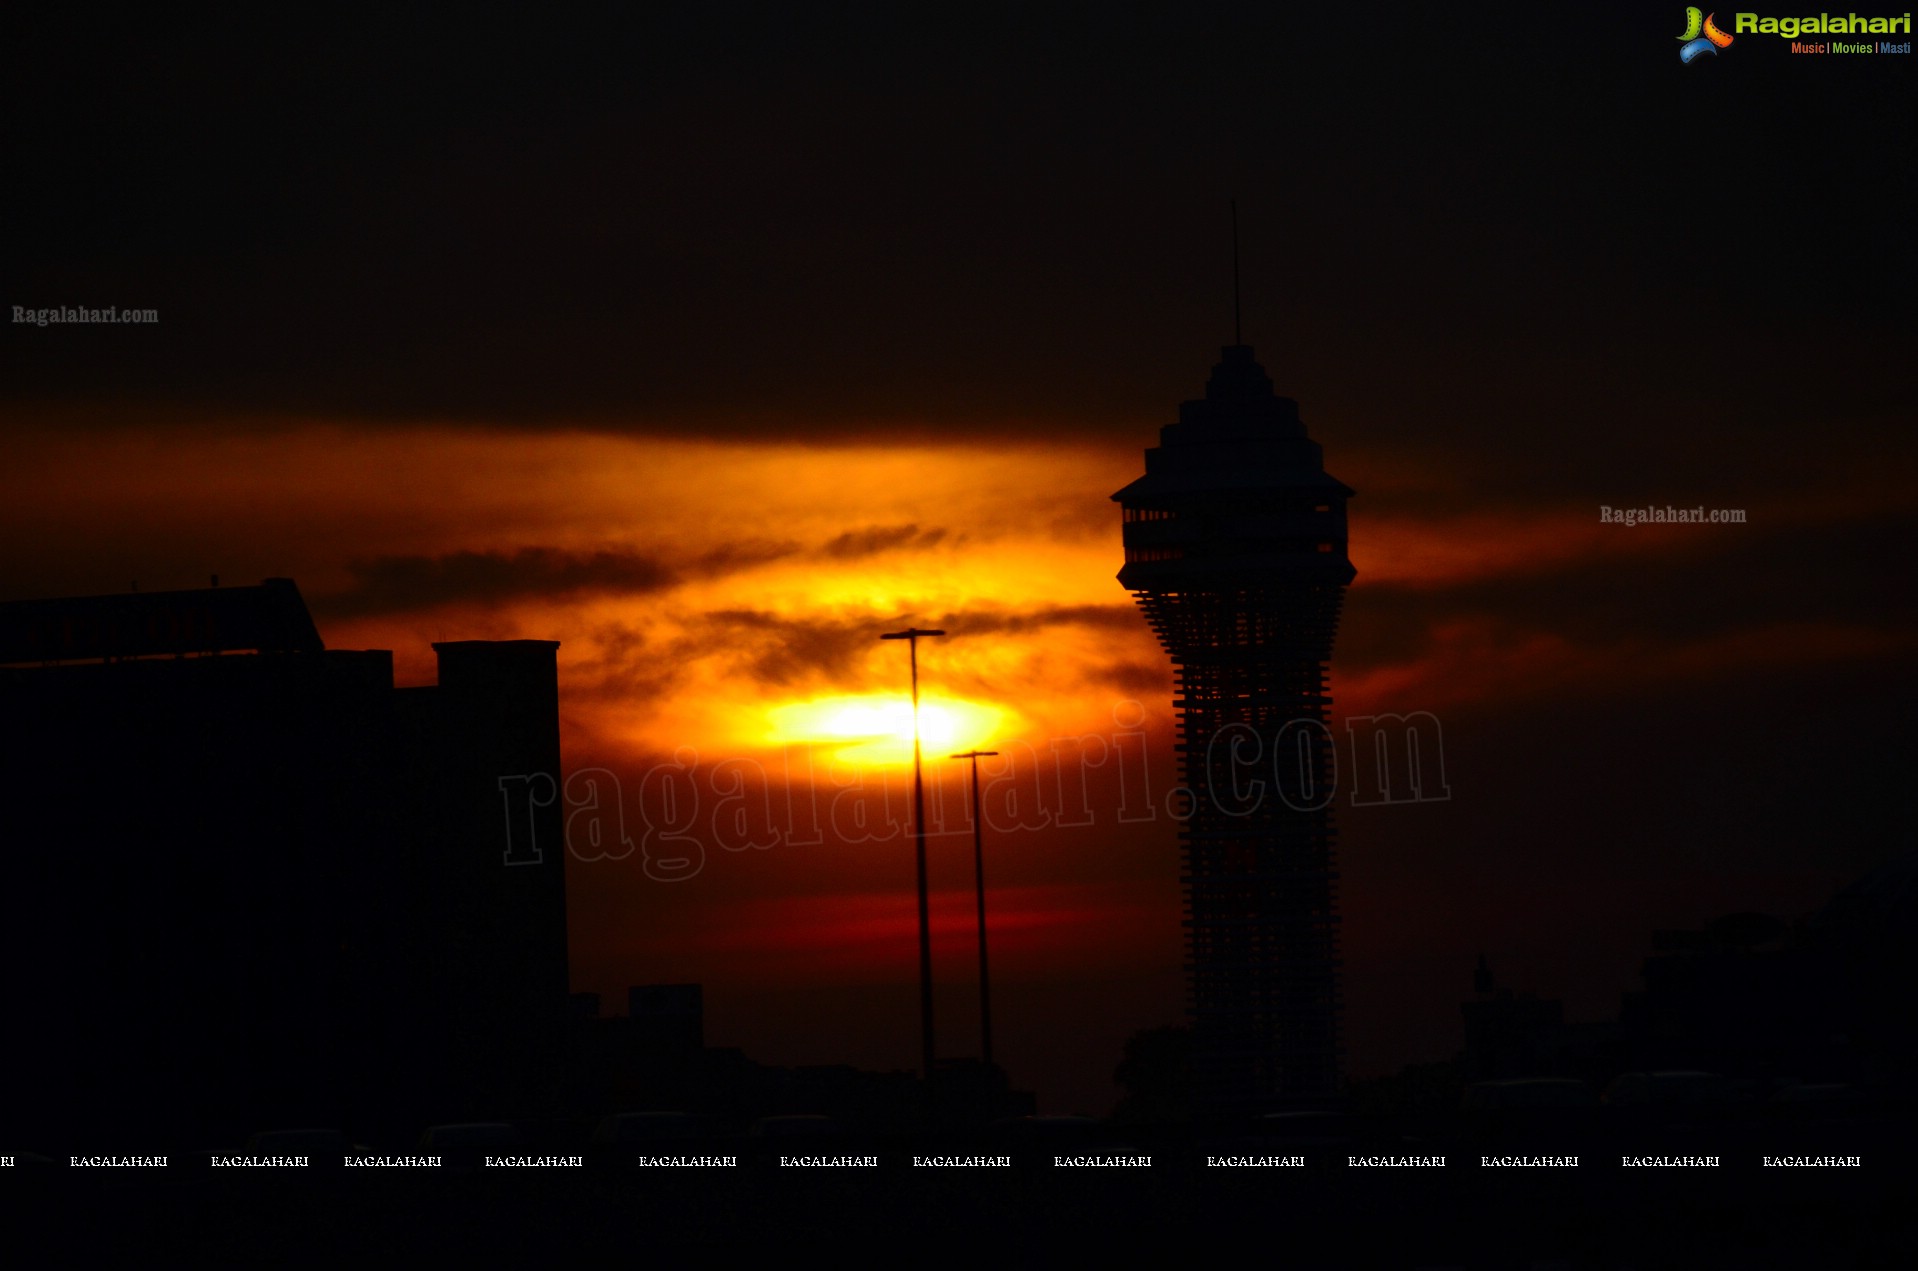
876,728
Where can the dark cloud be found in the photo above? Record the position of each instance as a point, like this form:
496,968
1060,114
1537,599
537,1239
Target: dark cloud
779,650
391,584
1695,583
388,584
1118,616
880,538
627,667
1141,679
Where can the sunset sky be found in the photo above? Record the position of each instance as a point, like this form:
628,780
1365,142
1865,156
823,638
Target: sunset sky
713,347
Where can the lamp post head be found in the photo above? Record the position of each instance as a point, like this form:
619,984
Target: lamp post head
910,633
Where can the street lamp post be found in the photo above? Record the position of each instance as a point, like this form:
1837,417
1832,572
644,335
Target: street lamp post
911,636
979,875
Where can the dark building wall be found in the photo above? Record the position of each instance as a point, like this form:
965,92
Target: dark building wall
267,889
487,930
1742,1012
193,917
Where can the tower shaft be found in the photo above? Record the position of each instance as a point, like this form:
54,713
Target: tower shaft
1236,554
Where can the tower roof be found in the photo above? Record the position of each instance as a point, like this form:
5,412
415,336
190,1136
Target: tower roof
1241,436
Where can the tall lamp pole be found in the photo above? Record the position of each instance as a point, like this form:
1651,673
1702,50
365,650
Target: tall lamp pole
911,636
979,874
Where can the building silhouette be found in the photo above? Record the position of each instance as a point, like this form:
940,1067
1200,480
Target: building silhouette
1235,549
254,884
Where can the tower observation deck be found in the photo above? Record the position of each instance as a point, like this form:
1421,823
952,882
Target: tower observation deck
1235,549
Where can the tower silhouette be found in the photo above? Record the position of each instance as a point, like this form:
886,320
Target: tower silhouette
1235,549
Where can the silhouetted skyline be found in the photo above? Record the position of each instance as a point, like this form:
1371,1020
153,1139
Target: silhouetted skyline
284,892
710,344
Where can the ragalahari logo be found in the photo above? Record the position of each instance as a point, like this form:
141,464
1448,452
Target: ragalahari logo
1695,44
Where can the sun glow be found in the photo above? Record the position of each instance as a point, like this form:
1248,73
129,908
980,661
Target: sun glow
877,728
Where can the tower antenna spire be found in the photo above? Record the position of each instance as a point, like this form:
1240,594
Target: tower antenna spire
1237,331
